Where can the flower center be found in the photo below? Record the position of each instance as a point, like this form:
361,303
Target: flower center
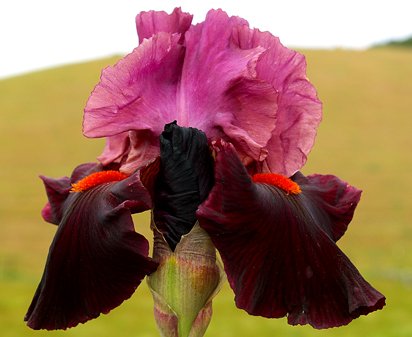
278,180
96,179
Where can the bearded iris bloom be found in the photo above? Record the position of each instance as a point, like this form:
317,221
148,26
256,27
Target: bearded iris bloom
207,125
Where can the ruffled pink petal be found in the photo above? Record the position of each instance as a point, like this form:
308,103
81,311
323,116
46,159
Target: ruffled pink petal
142,147
139,92
279,249
221,77
218,93
116,148
153,22
299,111
96,260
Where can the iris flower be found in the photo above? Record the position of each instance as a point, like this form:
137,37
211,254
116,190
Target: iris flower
207,125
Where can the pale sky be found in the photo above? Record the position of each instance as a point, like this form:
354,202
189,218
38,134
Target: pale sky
36,34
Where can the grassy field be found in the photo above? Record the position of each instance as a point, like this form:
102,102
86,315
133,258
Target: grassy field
365,138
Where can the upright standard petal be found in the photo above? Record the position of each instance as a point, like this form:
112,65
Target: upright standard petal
278,247
139,92
153,22
96,260
116,149
219,94
299,110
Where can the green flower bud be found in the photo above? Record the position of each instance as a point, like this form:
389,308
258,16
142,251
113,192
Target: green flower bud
185,283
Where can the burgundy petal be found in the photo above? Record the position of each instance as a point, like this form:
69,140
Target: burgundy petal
334,196
153,22
96,260
279,249
58,190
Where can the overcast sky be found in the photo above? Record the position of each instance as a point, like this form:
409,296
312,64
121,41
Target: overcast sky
36,34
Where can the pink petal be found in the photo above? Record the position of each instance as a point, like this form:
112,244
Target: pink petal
218,93
299,111
279,249
139,92
153,22
142,147
116,148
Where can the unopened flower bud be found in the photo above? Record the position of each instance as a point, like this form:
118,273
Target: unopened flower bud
184,284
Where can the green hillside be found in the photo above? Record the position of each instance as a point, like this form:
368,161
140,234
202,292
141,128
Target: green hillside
365,138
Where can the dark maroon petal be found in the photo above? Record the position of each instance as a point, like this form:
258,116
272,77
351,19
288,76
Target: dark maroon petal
279,249
58,190
153,22
334,196
96,260
83,170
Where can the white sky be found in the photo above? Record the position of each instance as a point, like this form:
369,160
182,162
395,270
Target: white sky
36,34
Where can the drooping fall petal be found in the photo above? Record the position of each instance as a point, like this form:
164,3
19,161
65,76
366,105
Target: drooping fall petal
96,260
278,248
59,189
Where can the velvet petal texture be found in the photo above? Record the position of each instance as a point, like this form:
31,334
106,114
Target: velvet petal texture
184,180
96,260
59,189
279,249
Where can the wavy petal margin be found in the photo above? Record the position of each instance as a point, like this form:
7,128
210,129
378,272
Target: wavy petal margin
299,110
279,249
224,99
96,260
139,92
153,22
58,190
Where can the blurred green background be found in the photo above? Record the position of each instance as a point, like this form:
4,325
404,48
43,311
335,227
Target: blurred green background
365,139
